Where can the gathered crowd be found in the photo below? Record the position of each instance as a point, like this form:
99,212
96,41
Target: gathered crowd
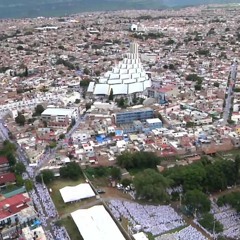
229,218
187,233
44,204
41,197
153,219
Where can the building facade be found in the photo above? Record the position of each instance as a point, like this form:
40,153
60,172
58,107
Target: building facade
4,164
131,115
60,115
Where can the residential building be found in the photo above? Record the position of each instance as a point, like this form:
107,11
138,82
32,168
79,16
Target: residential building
4,164
60,114
37,233
154,123
16,209
7,179
130,115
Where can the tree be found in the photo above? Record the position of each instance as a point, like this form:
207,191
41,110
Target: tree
61,47
138,160
9,147
204,52
62,136
194,78
19,180
53,144
20,48
195,200
46,175
11,159
88,106
216,84
171,67
231,199
135,99
237,166
72,170
198,87
126,182
20,119
121,102
110,97
19,168
97,172
169,42
28,185
190,124
84,83
77,101
39,109
115,173
207,221
151,185
86,71
215,178
26,72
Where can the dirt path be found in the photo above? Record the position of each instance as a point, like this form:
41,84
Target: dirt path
219,194
189,221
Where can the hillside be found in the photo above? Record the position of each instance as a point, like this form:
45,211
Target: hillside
30,8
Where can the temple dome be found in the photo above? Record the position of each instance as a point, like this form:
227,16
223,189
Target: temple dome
127,77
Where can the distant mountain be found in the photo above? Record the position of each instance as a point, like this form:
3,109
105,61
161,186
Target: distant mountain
178,3
34,8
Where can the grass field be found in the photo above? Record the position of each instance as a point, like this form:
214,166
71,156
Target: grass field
71,228
230,154
62,207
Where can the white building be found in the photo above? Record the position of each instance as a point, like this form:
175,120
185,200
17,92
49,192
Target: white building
60,114
81,135
127,78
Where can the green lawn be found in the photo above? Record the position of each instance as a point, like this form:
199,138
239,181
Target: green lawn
230,154
71,228
62,207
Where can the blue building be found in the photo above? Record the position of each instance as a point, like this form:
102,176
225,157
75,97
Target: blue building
154,123
130,115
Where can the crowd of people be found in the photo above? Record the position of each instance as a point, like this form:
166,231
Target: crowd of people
187,233
153,219
38,206
46,200
46,211
60,233
229,218
44,204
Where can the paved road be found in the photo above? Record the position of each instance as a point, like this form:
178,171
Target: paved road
232,78
22,157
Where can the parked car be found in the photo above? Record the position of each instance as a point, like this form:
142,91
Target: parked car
100,191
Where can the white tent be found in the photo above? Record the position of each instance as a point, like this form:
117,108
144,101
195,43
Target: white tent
140,236
95,223
78,192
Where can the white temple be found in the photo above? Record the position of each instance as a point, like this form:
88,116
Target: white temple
128,77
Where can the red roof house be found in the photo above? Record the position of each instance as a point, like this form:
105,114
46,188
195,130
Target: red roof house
7,178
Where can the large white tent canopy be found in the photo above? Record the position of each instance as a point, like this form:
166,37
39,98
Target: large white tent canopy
78,192
95,223
140,236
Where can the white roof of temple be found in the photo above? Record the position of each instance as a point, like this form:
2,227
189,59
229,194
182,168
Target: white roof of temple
126,78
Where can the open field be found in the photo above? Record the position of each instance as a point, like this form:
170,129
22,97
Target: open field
71,228
230,154
57,198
